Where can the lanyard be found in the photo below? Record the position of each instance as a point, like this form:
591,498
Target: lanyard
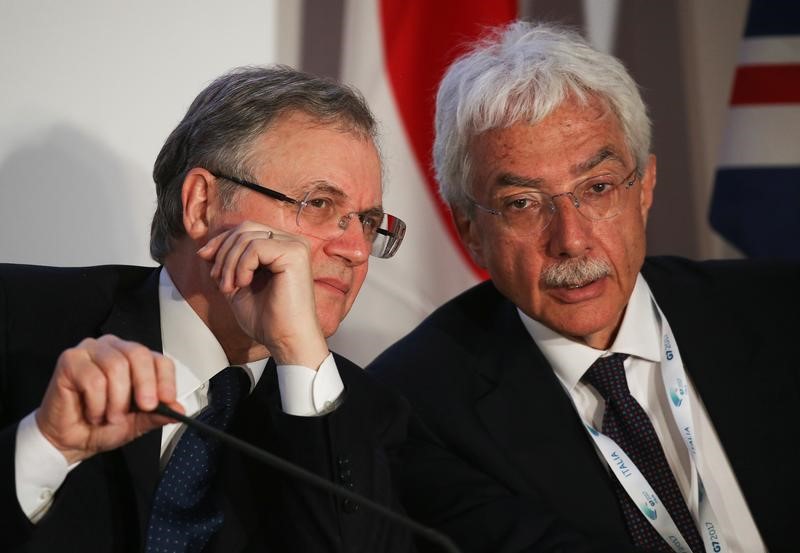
676,386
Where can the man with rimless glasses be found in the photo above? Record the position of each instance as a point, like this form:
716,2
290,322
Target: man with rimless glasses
587,398
269,207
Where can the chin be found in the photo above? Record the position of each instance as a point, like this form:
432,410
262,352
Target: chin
330,310
585,330
329,323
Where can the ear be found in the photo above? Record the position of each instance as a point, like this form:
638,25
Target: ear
195,197
470,236
648,187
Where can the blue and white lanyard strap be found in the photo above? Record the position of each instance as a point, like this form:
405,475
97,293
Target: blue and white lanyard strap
634,482
638,489
676,385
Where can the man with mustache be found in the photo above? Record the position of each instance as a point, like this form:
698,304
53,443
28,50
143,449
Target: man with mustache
587,398
269,206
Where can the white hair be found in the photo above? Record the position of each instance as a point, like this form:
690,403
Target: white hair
523,72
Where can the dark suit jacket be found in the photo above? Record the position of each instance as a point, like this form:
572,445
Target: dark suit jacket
104,503
501,461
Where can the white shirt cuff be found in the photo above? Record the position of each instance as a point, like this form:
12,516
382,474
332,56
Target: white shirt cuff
39,469
309,393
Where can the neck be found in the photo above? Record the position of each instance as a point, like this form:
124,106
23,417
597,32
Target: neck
604,338
600,340
191,277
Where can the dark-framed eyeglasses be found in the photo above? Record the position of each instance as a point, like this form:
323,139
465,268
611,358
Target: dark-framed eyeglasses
319,215
530,212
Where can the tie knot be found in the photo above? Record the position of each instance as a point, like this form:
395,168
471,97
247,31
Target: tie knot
607,375
227,387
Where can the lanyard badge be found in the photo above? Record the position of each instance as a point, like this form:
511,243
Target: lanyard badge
676,387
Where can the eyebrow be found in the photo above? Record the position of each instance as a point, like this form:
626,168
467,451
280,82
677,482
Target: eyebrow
322,186
325,186
510,179
605,153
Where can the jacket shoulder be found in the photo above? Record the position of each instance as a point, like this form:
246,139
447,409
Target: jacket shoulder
461,329
13,274
459,320
62,289
730,280
719,269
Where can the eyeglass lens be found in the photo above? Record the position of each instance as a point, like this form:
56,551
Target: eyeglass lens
596,199
319,215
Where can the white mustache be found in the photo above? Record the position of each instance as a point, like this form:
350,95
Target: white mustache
574,272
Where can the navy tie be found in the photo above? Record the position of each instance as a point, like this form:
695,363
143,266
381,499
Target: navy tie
185,514
625,422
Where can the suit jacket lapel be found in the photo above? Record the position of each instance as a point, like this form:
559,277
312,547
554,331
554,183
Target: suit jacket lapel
715,349
530,416
719,355
135,316
245,496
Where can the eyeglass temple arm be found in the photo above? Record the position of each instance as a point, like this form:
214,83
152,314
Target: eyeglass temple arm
387,232
255,187
482,207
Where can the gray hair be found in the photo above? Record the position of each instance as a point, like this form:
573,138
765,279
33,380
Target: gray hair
523,72
221,127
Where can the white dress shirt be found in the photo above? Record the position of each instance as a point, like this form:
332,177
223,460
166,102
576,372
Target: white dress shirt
40,469
639,337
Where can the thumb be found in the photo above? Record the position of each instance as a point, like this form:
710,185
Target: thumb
150,420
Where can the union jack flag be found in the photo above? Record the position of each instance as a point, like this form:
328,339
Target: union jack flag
756,202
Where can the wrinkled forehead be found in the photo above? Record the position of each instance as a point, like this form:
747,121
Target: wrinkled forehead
571,119
572,142
307,155
340,124
519,112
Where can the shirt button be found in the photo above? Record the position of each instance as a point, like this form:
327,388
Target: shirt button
45,494
349,507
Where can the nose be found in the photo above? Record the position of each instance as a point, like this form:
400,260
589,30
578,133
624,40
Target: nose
351,245
570,232
572,199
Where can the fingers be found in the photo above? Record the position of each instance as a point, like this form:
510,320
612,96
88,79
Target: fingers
128,368
109,371
88,404
88,380
266,276
240,256
238,253
165,380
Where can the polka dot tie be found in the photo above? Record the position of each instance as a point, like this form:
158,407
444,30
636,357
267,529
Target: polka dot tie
625,422
184,514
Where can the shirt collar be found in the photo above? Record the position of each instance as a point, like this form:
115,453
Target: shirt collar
190,344
638,336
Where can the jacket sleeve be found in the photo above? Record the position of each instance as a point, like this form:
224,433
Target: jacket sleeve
352,446
478,512
15,528
14,525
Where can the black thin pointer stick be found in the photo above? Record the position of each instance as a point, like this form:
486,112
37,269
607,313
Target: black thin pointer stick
302,474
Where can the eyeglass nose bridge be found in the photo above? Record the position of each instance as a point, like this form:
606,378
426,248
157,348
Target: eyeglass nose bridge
573,200
551,206
344,220
344,223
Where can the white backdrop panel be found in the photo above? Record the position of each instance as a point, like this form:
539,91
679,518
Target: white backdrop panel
89,91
